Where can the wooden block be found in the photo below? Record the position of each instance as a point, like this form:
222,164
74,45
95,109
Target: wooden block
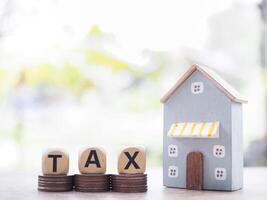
194,171
55,161
132,160
92,160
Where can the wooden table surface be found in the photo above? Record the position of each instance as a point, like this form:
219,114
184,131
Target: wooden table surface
24,186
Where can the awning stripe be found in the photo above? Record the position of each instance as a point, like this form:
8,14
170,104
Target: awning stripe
172,131
211,129
194,130
183,129
201,129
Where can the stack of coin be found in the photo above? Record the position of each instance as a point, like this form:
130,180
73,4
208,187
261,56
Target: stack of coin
92,182
92,166
55,183
128,183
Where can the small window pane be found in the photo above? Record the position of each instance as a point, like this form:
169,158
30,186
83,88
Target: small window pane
172,150
173,171
197,88
220,174
219,151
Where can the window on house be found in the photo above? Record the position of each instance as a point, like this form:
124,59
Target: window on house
172,150
173,172
197,87
219,151
220,174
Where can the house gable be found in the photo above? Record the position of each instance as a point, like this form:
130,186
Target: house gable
208,106
213,77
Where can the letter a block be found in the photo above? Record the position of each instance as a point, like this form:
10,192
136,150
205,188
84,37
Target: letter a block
132,160
92,161
55,162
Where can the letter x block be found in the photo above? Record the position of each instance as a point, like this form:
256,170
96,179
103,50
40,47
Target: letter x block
55,161
92,161
132,160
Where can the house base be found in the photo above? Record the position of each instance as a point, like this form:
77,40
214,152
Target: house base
207,190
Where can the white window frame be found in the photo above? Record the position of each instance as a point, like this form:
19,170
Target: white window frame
200,85
170,148
223,170
221,151
173,167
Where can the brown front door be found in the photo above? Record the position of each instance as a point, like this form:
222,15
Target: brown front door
194,171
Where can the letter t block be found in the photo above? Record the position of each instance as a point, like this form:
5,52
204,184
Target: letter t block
55,162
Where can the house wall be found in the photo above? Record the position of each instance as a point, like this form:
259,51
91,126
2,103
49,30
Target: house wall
211,105
237,146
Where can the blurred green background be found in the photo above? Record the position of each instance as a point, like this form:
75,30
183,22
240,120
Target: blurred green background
80,73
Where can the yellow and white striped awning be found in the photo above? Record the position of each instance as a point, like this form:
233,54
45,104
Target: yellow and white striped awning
194,130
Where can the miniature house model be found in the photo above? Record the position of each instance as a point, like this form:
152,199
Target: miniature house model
203,133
